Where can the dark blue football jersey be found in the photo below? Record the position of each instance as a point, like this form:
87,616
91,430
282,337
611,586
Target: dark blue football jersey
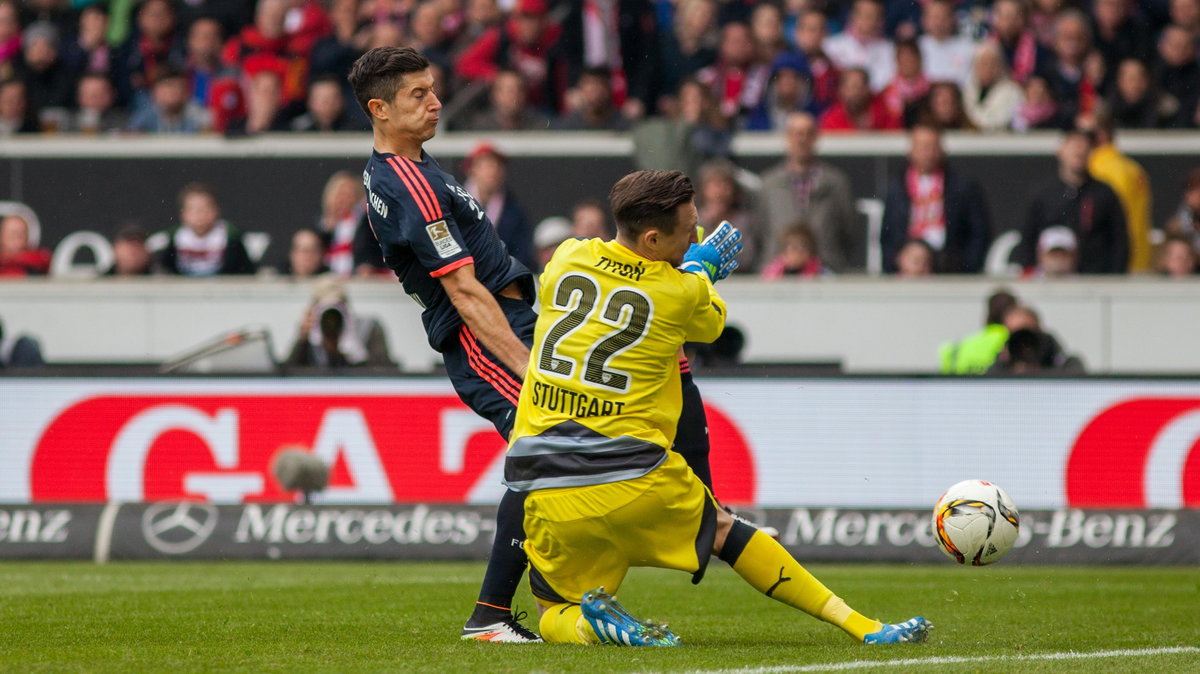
427,226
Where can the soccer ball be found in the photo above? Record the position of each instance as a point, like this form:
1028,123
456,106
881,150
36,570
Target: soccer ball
975,522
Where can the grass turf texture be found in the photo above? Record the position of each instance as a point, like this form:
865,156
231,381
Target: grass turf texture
365,617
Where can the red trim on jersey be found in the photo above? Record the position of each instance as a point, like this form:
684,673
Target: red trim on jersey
479,365
412,190
422,184
684,366
505,378
442,271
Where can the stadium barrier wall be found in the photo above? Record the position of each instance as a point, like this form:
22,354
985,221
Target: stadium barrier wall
1130,325
180,530
776,443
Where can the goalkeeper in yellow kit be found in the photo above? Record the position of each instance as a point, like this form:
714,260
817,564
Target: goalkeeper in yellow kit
597,416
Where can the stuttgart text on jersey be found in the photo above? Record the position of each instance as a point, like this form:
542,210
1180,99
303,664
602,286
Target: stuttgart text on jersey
572,403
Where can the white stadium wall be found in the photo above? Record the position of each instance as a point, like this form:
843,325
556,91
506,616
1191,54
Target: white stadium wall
1123,326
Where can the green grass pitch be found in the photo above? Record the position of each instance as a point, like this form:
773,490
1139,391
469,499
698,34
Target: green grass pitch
378,617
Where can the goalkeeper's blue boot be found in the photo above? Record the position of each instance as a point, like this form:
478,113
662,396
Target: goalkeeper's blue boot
613,624
913,631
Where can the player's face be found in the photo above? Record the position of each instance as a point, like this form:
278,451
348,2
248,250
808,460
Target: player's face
673,245
413,111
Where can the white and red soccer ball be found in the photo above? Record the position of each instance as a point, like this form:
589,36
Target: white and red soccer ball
975,522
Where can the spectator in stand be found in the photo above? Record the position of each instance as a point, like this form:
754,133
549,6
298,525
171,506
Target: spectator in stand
547,236
333,336
811,31
766,27
204,244
797,256
1038,110
906,92
590,221
1136,102
915,259
863,45
1129,180
10,38
19,251
1177,257
1185,221
804,186
1186,15
268,40
943,108
857,109
14,110
306,256
131,257
1077,200
737,80
48,81
96,113
720,198
342,210
509,110
325,108
1120,34
621,37
788,91
1179,74
1010,30
1029,349
426,33
594,106
487,180
1066,72
19,350
525,42
479,17
932,202
1057,254
990,97
143,56
203,58
335,53
1043,14
947,55
264,101
708,130
688,44
171,110
975,353
89,52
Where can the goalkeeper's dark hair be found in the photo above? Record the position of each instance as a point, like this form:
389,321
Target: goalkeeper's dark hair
379,73
646,200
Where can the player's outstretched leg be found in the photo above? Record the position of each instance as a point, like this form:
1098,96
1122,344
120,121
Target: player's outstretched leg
767,566
493,619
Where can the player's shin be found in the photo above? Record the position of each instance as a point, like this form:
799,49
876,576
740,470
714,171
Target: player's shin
565,624
767,566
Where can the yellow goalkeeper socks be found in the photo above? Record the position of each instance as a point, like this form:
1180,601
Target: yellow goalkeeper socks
565,624
766,565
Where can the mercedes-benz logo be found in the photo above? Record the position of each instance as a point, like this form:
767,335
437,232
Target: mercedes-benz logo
176,528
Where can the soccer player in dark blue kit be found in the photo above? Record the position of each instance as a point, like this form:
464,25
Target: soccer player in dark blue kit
476,299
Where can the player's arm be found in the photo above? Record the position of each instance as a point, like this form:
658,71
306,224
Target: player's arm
482,314
708,317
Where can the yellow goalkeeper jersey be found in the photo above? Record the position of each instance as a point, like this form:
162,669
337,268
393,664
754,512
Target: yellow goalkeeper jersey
602,396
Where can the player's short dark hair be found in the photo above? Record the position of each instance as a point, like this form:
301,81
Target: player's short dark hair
645,200
380,72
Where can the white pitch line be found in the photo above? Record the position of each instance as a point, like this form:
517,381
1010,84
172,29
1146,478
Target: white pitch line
955,660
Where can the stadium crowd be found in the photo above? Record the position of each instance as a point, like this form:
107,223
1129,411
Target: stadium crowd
188,66
682,76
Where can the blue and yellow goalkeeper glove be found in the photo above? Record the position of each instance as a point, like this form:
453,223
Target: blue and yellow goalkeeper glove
715,255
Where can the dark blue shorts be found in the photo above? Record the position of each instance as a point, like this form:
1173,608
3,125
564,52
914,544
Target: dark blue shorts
482,382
